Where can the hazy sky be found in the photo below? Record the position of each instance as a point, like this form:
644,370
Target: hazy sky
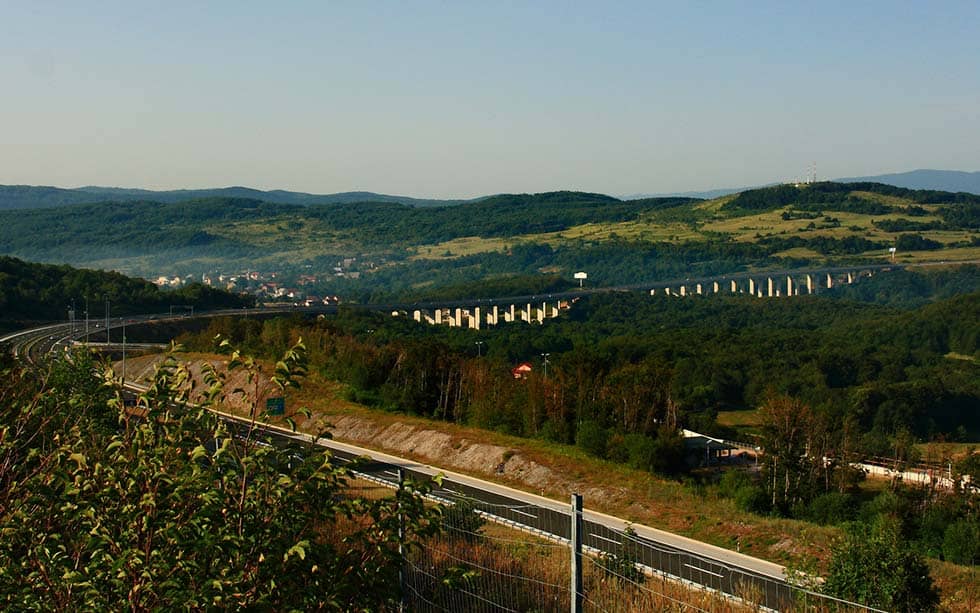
457,99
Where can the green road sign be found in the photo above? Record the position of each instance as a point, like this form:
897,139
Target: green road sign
275,406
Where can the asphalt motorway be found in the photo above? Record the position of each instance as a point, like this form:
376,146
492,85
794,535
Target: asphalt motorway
661,552
679,557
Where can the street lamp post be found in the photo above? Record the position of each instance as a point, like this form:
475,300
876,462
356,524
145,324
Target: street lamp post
544,357
479,348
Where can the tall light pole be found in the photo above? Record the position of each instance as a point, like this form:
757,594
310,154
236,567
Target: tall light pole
479,348
107,322
86,321
544,357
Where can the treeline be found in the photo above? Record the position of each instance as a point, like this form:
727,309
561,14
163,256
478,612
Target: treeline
38,292
113,228
910,288
626,365
829,194
121,229
496,216
607,263
958,210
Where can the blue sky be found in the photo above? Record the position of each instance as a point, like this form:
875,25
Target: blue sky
458,99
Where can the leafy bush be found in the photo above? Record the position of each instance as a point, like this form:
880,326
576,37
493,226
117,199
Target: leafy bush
874,565
592,437
961,543
101,511
831,508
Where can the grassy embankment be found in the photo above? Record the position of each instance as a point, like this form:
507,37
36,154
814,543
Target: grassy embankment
695,511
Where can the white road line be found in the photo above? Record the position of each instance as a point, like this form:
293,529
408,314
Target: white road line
703,570
602,538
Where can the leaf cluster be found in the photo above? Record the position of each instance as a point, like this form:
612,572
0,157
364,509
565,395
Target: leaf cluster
163,506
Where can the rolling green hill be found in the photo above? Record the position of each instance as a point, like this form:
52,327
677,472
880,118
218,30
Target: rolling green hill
32,292
389,249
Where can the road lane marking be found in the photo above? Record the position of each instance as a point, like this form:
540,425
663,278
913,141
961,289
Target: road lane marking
703,570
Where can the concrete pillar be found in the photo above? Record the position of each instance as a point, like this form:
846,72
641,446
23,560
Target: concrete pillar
809,284
830,281
752,286
789,286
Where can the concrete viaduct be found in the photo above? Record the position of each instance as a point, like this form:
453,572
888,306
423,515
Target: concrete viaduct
478,317
480,314
765,285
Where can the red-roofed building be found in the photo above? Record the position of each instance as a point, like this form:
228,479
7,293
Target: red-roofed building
520,371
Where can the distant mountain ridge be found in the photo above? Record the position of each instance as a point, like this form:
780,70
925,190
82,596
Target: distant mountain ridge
36,197
941,180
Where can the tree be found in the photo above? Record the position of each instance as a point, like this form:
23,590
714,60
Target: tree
176,510
875,566
792,463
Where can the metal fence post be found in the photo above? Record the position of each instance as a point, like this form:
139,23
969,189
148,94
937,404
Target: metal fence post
401,541
576,542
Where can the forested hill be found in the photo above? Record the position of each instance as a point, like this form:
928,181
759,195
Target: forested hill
34,197
117,228
369,250
39,292
846,197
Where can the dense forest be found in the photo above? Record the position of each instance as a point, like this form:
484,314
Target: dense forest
621,372
40,292
887,368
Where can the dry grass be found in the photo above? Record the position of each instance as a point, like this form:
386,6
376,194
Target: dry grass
740,419
554,470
